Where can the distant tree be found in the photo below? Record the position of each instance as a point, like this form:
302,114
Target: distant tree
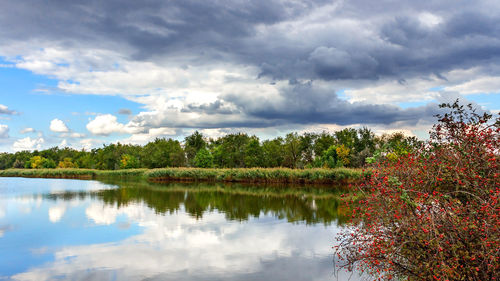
348,137
292,150
203,159
6,160
163,153
307,148
253,153
39,162
86,160
129,162
322,143
343,153
192,144
35,162
66,163
48,164
229,151
330,158
273,153
18,164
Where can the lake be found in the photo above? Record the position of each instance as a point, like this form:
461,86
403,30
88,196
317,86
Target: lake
92,230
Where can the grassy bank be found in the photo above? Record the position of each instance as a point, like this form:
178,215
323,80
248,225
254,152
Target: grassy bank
253,175
71,173
264,175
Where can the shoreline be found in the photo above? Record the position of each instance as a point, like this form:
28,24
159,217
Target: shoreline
337,176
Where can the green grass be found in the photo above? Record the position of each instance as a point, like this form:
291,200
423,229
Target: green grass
263,175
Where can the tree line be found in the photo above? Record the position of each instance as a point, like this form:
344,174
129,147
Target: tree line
345,148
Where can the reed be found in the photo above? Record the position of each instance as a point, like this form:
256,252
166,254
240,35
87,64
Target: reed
263,175
267,175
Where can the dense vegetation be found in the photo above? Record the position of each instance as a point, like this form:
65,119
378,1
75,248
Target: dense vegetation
433,214
344,148
261,175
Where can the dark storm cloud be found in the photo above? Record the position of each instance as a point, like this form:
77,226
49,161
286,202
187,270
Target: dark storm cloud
304,104
358,40
400,45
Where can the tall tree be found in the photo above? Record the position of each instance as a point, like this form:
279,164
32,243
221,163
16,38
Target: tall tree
192,144
292,150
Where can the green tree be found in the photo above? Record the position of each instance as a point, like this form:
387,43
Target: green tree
48,164
192,144
273,152
292,150
129,162
330,157
163,153
203,159
253,153
229,151
322,143
307,148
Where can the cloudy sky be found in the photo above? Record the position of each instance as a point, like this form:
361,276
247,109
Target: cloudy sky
82,73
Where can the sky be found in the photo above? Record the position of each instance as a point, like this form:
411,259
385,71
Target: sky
87,73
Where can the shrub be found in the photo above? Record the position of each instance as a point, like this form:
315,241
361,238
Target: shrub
434,214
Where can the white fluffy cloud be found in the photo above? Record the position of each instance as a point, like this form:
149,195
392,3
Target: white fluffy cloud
28,144
58,126
107,124
4,131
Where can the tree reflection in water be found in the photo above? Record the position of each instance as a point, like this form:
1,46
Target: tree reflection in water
300,204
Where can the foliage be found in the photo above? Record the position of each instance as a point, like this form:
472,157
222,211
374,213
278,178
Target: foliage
343,154
66,163
193,144
129,162
433,214
162,153
203,159
292,150
39,162
230,151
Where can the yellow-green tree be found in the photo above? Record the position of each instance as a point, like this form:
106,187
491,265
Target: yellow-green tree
36,162
66,163
128,162
343,154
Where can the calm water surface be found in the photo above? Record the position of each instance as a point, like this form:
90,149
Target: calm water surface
55,229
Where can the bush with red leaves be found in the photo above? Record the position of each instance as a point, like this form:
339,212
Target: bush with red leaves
434,214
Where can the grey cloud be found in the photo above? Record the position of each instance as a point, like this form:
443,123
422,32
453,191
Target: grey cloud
359,41
299,103
125,111
303,103
216,107
397,45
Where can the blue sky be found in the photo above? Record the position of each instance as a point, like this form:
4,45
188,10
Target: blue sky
122,71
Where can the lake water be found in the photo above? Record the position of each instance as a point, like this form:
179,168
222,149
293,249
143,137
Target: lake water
57,229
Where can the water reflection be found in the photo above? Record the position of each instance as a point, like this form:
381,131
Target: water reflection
134,231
